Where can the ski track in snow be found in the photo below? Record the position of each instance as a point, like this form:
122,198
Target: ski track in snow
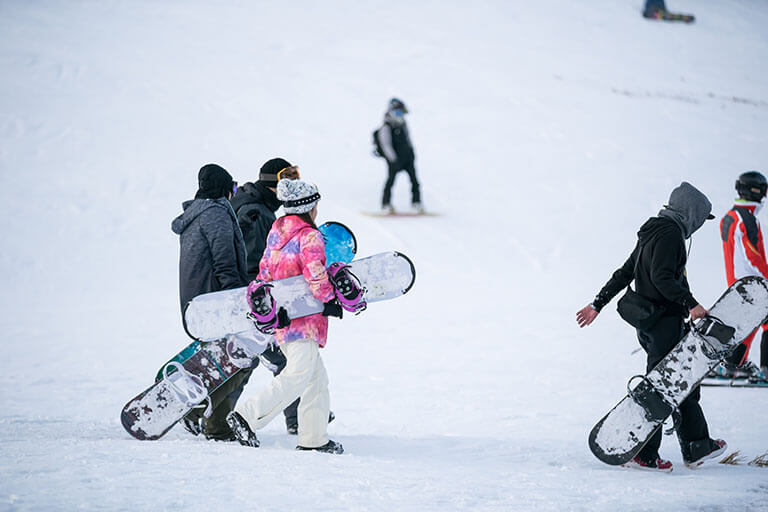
545,132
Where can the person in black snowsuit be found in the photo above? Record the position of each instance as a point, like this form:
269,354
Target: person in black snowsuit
657,266
394,144
212,258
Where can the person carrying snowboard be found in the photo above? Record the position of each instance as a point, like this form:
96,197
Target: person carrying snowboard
255,205
745,255
295,247
657,266
392,142
211,258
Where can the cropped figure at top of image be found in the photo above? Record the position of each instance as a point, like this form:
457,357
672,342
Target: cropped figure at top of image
255,205
657,266
212,258
745,255
657,10
393,143
295,247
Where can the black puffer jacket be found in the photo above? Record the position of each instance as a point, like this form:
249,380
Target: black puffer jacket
212,255
255,206
660,274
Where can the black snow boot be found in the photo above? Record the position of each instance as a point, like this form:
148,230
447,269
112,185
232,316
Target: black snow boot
329,447
696,452
242,431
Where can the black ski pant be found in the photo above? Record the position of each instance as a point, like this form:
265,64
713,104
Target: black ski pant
394,168
689,419
222,402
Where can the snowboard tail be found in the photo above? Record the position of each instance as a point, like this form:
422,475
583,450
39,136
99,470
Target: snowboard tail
621,434
186,382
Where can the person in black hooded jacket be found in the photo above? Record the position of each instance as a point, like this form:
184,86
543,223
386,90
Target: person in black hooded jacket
212,258
657,266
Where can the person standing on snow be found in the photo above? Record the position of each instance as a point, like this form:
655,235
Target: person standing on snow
255,205
745,256
295,247
212,258
657,266
394,144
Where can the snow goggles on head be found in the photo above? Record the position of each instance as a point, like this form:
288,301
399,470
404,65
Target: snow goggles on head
234,187
397,113
289,173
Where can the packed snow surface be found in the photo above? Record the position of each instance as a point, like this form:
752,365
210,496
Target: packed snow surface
546,133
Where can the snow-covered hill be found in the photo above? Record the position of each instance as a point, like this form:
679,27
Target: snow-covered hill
546,133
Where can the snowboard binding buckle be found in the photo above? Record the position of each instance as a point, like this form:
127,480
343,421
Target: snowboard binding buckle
717,335
347,288
263,306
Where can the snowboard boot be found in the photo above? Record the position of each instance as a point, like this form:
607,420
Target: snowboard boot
242,431
695,453
387,209
329,447
293,427
658,464
192,425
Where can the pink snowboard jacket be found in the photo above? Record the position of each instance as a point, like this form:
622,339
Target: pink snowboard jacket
296,248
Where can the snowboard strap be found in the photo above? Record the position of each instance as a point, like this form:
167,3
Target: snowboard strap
347,288
189,388
263,306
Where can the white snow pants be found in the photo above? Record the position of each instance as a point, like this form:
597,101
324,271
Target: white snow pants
303,377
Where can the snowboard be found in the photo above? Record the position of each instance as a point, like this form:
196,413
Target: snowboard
213,315
188,378
185,385
622,433
734,383
397,214
669,16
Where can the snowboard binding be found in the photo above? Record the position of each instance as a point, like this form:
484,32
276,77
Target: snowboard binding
263,306
347,288
718,336
189,388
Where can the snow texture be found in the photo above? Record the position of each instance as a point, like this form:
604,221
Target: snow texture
545,132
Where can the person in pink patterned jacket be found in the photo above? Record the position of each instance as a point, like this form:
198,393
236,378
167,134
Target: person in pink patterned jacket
295,247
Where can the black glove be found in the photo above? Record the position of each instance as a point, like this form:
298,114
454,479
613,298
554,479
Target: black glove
332,308
283,320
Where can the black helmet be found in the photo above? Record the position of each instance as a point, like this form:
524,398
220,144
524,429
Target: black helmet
752,186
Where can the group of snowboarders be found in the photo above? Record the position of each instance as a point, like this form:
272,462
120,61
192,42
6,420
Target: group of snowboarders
657,267
229,235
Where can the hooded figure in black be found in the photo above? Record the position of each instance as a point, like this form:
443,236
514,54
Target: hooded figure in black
255,205
657,266
212,258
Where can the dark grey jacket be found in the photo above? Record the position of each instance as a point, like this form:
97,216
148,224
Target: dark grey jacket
212,255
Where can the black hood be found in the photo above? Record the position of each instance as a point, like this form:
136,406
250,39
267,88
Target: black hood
255,193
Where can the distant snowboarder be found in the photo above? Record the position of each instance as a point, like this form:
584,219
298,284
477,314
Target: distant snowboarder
656,10
393,143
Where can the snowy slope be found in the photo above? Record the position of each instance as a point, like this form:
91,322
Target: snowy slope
546,133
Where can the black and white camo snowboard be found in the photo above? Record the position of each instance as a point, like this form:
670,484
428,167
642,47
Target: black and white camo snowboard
622,433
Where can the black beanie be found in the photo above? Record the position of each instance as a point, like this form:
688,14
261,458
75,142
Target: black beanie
268,171
214,182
